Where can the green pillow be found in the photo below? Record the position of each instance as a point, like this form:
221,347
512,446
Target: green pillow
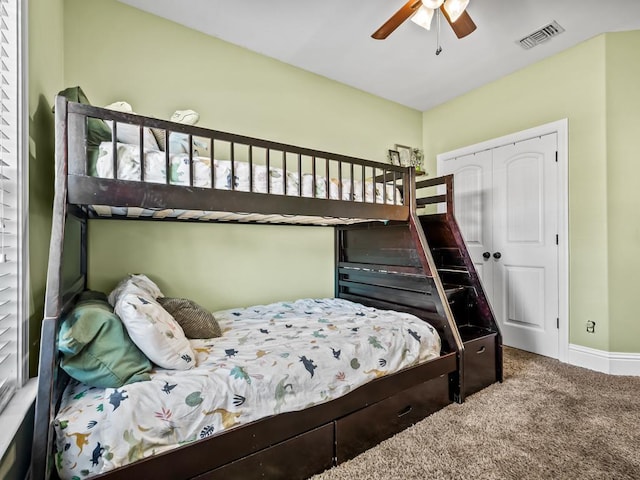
96,349
97,130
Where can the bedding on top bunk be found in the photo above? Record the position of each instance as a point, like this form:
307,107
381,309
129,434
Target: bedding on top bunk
270,359
155,172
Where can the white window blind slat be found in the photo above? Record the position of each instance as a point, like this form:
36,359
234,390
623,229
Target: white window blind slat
13,342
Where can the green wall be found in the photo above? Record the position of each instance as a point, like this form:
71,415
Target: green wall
161,66
589,85
218,266
116,52
45,76
623,177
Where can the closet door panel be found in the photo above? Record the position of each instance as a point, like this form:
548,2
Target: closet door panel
524,244
473,207
524,203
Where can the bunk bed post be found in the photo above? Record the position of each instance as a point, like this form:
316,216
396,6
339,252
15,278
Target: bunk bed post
409,189
448,181
54,271
58,296
337,254
41,465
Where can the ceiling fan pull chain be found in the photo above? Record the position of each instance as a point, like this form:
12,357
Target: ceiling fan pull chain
439,48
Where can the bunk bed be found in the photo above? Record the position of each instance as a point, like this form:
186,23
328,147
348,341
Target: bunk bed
383,263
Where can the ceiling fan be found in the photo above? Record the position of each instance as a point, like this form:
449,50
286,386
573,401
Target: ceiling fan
421,12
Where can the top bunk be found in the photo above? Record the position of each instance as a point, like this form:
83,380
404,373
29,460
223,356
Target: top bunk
173,171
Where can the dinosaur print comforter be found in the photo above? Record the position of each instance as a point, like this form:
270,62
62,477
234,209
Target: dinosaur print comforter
271,359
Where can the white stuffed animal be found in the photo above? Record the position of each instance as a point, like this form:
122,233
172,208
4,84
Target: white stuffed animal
179,142
120,107
186,117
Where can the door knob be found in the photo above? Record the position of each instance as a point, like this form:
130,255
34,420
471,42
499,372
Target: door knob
497,255
486,255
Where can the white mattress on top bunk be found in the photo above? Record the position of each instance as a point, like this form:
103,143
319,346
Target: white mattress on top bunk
204,216
271,359
155,172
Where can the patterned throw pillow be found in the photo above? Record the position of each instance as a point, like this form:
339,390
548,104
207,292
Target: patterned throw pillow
138,280
196,322
153,330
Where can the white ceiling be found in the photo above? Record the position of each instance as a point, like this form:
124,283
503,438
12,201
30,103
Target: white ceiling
333,38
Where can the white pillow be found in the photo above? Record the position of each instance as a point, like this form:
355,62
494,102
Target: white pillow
128,133
120,107
186,117
179,142
141,281
154,330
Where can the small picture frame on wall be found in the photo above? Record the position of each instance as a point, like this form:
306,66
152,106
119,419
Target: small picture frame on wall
404,154
394,157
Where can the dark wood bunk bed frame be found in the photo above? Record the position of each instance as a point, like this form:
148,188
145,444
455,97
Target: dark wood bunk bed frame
396,259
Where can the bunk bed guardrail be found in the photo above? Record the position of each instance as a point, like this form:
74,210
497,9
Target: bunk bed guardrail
316,178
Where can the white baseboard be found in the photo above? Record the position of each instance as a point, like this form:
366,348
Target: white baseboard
607,362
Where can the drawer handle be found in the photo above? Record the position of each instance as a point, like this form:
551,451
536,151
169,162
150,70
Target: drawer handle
405,410
481,349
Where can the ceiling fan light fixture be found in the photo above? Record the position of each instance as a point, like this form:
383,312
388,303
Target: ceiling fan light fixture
423,17
432,4
455,8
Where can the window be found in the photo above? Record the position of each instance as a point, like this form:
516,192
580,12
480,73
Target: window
13,205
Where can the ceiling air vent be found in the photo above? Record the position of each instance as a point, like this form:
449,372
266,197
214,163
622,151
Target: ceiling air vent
541,35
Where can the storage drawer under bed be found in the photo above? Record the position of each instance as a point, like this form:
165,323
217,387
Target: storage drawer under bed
367,427
275,462
480,369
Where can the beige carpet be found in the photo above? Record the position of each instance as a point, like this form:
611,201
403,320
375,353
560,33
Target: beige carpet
548,420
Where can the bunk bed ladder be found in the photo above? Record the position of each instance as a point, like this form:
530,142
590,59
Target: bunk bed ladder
466,297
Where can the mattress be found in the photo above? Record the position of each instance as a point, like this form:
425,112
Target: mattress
271,359
244,177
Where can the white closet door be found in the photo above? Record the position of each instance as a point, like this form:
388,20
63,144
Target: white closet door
525,224
472,191
506,206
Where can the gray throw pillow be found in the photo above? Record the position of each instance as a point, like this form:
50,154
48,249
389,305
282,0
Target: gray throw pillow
196,322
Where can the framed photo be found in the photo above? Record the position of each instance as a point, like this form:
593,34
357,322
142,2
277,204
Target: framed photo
404,153
394,157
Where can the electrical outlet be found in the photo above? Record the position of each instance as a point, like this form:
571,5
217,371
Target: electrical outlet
591,326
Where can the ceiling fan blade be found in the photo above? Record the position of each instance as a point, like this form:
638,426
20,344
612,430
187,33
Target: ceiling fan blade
397,19
463,26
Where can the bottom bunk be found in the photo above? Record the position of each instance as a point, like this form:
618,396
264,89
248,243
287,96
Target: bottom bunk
266,360
366,374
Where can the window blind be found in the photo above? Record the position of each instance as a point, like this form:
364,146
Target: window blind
13,334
